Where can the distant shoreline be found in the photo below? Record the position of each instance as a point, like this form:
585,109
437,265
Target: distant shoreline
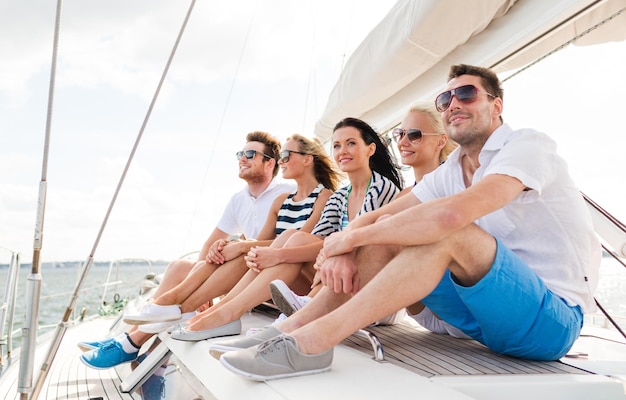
97,264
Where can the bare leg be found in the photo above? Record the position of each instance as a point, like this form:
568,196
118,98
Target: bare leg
253,288
327,300
184,289
219,283
197,288
251,291
175,273
468,254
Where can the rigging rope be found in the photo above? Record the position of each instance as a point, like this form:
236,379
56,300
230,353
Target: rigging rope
311,69
200,199
619,225
562,46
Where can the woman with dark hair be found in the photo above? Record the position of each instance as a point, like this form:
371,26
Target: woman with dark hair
374,181
422,145
381,160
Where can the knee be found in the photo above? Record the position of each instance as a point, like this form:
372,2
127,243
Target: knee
179,269
299,238
378,252
286,234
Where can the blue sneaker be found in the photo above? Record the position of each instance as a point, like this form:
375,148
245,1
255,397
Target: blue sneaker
107,356
86,346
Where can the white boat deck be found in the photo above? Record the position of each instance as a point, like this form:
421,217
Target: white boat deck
424,364
68,378
417,364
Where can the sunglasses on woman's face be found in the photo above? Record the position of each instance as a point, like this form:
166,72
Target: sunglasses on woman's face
464,94
414,135
284,155
250,154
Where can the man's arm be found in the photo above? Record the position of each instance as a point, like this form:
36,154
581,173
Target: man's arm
430,221
268,232
399,204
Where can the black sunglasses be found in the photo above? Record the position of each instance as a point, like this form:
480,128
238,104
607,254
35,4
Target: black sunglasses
413,134
284,155
464,94
250,154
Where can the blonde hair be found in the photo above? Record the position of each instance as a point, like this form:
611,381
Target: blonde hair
324,168
435,121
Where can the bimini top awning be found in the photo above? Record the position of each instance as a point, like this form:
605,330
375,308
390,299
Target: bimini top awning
406,57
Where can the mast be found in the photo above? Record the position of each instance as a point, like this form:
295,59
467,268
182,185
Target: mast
33,284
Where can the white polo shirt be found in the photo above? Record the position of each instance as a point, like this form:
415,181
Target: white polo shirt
246,214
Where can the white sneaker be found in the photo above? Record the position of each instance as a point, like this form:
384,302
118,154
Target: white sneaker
159,327
280,318
285,299
153,313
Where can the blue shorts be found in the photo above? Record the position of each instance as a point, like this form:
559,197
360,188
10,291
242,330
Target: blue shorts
510,310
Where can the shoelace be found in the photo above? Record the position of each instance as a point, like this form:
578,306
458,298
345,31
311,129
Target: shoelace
108,346
275,343
269,343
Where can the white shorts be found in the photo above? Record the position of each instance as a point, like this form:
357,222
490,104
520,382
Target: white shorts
428,320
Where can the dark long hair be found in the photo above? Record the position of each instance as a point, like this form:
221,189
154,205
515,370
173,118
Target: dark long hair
381,161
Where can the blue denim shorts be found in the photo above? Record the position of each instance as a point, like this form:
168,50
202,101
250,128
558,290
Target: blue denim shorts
510,310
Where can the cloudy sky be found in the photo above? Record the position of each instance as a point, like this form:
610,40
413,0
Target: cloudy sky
241,66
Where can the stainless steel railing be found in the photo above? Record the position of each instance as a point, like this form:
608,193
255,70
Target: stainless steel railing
7,306
9,297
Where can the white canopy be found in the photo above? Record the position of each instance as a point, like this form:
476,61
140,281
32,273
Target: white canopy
407,55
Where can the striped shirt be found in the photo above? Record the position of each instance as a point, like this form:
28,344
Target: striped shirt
381,191
294,214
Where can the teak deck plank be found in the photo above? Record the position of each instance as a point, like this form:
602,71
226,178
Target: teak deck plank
429,354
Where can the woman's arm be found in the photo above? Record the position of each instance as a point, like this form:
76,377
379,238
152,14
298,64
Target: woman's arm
236,248
316,213
308,247
268,232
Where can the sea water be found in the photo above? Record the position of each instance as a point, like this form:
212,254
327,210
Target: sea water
58,285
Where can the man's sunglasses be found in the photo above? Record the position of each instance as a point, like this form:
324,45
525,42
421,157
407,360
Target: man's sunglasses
414,135
284,155
250,154
464,94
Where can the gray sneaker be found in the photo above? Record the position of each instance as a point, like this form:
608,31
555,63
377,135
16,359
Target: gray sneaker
276,358
218,348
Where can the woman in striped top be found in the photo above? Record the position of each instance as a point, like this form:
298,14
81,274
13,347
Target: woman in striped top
305,161
374,181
